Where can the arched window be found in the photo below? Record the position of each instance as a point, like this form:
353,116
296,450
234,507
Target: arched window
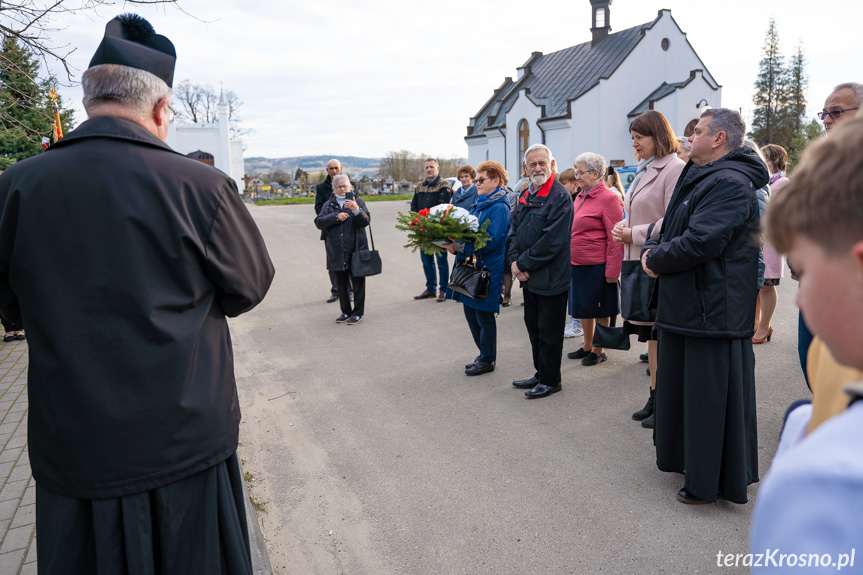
523,138
202,157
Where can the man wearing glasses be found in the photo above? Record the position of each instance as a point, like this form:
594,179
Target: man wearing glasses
125,259
841,104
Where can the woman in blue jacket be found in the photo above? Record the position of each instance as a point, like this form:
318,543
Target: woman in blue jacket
492,206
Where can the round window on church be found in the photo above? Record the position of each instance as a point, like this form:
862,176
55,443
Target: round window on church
665,44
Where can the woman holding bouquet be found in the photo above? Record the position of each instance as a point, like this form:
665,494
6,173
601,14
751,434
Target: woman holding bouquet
492,206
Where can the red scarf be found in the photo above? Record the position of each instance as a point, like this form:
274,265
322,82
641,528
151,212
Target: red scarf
542,192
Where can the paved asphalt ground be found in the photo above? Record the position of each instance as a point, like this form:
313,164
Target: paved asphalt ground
374,453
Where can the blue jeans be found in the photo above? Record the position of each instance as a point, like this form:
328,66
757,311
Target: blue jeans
483,328
443,271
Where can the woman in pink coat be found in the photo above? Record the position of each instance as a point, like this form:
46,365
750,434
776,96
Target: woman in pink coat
649,193
768,297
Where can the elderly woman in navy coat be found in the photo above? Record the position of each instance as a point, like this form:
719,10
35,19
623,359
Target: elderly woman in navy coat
492,206
345,219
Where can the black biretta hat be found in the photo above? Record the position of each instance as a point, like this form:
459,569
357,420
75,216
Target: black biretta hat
131,41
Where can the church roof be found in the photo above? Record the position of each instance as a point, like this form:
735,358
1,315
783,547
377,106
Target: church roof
658,94
552,80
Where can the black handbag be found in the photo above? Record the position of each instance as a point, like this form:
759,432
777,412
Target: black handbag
469,279
365,263
636,289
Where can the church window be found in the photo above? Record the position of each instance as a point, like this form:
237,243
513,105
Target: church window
599,17
523,137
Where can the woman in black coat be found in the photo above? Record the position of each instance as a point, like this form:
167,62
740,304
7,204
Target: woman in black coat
344,217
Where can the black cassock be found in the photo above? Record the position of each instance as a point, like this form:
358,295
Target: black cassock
706,256
123,259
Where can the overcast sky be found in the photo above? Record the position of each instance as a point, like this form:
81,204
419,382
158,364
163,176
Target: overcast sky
364,78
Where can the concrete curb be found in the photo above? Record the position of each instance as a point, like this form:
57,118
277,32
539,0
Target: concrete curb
260,558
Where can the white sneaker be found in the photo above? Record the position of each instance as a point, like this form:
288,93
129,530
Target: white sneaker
577,326
570,329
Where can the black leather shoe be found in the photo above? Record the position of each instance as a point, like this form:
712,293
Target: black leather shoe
645,411
470,365
578,354
686,497
526,383
649,421
479,368
593,359
332,298
542,390
342,318
643,357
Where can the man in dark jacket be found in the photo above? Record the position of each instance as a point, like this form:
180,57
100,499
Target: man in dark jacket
433,191
123,258
539,251
323,191
706,258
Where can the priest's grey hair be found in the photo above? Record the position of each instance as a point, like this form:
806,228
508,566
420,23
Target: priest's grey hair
728,121
137,90
592,161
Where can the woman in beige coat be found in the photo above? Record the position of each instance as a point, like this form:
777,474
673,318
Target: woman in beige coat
649,193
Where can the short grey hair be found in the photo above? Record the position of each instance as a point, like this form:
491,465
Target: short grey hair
534,148
592,161
685,144
341,177
137,90
427,160
856,88
728,121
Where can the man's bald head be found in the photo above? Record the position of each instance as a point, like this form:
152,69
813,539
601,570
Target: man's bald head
334,168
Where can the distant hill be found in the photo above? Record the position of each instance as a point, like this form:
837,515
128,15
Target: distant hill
353,165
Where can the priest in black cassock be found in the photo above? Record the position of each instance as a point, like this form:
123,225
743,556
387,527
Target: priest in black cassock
123,259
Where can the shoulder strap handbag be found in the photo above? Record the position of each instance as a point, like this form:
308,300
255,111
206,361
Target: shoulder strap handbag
365,263
469,279
636,288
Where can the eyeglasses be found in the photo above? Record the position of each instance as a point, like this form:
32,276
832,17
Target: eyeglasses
479,181
579,173
834,114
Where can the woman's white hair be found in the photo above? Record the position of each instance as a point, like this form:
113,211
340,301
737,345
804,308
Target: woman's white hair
342,177
137,90
592,161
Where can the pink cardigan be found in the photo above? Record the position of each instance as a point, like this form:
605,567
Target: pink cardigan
646,203
595,216
774,262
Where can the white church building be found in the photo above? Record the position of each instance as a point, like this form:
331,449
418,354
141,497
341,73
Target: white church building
211,143
583,98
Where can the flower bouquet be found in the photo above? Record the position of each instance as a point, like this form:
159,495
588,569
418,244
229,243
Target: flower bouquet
430,228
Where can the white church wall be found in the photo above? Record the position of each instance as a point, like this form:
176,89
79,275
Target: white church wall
477,151
679,107
523,108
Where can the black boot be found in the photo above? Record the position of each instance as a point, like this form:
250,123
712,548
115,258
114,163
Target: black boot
648,421
645,411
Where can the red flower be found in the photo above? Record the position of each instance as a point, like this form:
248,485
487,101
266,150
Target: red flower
424,212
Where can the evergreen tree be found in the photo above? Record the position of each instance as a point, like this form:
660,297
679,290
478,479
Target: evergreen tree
801,132
771,94
808,132
26,114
